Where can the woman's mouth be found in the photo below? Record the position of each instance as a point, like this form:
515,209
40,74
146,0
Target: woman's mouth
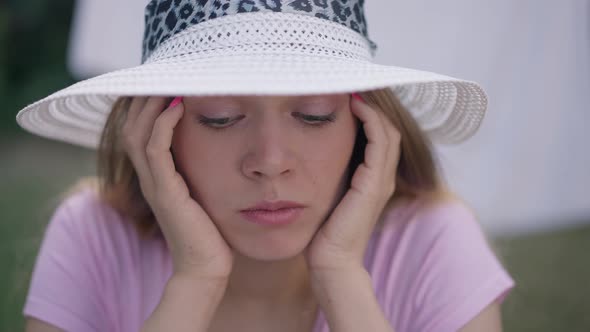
273,213
276,217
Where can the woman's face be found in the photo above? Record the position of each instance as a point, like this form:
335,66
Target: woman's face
235,152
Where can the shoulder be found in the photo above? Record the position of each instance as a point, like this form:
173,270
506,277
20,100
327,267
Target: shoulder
430,234
84,214
442,243
89,231
445,213
427,217
434,253
85,202
83,207
86,253
412,230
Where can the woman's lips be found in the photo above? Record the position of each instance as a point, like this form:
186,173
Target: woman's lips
272,218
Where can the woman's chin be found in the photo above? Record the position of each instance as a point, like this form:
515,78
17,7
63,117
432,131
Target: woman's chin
269,243
271,249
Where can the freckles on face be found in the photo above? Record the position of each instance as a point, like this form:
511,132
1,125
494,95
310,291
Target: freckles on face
202,160
236,151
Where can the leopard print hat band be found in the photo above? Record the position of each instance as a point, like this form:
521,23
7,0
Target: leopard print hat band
166,18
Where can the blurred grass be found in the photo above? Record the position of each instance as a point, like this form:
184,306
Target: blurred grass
551,270
33,43
33,174
552,274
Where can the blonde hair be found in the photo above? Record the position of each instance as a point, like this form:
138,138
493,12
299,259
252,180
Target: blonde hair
417,174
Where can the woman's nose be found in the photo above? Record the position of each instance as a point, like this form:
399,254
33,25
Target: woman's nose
268,153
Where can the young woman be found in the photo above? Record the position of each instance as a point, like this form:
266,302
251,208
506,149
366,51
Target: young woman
264,176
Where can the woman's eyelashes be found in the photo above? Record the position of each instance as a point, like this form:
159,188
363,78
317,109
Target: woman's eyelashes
315,120
218,123
308,119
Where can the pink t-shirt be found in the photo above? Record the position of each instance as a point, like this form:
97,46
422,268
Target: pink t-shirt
432,269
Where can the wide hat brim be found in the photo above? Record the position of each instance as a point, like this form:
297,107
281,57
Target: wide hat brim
449,110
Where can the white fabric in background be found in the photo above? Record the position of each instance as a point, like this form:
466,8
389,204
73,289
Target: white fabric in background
105,35
528,168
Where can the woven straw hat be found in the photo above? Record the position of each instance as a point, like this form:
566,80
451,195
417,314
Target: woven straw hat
257,47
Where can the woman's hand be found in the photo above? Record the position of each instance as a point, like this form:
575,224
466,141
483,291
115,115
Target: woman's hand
198,250
340,243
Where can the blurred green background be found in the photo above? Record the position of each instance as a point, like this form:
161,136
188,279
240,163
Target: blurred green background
552,270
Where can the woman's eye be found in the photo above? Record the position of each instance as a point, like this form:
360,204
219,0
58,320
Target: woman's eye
313,120
316,120
217,123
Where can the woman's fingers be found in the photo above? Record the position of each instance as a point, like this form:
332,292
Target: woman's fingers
137,104
382,150
137,130
197,247
393,137
144,122
377,138
133,145
158,147
392,153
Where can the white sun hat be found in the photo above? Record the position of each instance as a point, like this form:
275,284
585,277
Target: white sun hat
257,47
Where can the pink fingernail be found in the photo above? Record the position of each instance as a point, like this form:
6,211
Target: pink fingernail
175,102
357,97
